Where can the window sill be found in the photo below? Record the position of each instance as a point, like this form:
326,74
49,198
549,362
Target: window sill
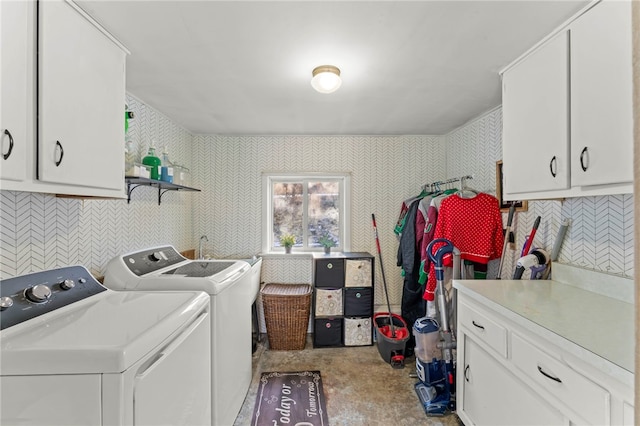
309,254
276,254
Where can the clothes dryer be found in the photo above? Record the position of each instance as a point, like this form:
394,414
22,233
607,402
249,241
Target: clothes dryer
228,283
75,353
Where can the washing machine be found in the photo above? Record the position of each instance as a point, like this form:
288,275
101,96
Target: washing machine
228,283
76,353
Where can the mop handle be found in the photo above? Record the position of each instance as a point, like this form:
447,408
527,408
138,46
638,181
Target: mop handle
384,281
375,232
512,210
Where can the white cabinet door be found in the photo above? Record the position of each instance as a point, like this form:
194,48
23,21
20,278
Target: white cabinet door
601,95
13,90
535,96
494,396
81,100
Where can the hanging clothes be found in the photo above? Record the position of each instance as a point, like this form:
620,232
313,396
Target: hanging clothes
473,225
412,305
429,231
423,227
404,209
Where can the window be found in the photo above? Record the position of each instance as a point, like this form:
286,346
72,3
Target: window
307,206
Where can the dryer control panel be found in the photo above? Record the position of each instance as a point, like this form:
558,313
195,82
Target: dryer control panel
28,296
151,260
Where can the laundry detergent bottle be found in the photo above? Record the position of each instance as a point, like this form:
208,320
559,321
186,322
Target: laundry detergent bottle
153,162
166,173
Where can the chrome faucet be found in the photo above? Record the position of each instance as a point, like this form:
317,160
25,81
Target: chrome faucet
204,237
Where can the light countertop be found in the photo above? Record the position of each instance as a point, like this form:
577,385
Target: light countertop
601,326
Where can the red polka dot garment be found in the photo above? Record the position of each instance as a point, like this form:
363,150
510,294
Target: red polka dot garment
473,225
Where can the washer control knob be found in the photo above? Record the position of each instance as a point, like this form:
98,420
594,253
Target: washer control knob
38,293
155,256
67,284
5,302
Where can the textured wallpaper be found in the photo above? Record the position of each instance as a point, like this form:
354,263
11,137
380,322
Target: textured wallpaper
39,231
384,171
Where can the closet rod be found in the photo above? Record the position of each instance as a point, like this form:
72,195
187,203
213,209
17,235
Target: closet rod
444,182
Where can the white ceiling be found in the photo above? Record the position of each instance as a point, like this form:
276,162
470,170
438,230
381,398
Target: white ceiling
243,67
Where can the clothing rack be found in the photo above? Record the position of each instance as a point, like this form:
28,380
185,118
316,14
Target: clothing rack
437,184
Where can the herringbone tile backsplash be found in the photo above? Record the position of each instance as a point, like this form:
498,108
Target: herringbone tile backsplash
39,231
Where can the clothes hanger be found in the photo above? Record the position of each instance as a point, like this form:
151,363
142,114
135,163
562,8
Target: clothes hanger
465,191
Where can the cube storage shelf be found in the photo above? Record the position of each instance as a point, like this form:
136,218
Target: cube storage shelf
343,299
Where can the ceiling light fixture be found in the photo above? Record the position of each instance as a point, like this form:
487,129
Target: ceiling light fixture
326,78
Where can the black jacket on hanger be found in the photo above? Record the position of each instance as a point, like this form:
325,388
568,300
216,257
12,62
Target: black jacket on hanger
413,305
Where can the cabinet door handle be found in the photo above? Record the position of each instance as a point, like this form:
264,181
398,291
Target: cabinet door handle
548,376
8,133
584,154
477,325
553,166
466,370
61,150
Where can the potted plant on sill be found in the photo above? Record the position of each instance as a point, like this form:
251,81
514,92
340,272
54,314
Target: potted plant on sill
287,241
327,241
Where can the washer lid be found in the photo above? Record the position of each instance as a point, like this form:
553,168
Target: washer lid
232,273
106,333
200,269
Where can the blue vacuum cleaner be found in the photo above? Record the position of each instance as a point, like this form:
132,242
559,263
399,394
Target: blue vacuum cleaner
435,365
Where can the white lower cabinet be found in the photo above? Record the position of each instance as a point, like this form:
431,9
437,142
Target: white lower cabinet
508,374
588,402
492,395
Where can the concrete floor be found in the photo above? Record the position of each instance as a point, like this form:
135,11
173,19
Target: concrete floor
360,388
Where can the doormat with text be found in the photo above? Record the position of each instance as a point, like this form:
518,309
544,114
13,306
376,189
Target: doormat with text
290,398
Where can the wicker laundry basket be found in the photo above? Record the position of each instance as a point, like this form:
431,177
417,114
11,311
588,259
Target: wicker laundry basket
286,314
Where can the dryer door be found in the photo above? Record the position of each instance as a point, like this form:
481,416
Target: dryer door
174,386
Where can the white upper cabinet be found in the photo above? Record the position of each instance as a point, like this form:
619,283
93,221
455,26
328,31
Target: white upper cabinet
601,96
81,100
13,89
535,98
567,110
62,101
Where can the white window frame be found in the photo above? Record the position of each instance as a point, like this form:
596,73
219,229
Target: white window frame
268,179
